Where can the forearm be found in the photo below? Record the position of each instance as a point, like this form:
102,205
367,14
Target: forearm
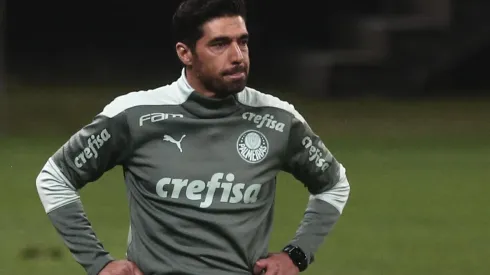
65,211
76,231
322,213
317,223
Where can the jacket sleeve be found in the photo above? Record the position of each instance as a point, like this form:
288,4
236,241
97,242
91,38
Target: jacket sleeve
310,162
84,158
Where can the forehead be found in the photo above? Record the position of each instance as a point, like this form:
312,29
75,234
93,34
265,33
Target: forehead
224,26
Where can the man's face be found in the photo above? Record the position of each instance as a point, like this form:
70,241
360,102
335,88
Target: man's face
221,60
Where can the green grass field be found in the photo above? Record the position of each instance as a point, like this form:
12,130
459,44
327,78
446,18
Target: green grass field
419,171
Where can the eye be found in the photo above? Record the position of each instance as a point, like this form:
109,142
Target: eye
219,45
244,42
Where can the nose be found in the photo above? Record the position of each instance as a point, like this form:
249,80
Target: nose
236,54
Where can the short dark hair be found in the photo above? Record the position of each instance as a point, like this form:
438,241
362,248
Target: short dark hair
191,15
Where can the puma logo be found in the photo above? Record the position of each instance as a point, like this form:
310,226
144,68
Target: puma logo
172,140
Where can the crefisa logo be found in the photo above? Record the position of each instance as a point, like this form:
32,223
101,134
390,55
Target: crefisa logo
252,146
94,143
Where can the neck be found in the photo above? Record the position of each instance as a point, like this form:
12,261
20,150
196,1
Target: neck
197,85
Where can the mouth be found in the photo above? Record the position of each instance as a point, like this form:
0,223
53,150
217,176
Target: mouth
236,75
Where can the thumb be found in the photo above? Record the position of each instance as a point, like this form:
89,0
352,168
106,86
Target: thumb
260,265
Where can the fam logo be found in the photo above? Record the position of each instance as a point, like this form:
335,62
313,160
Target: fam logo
266,120
155,117
94,143
319,155
252,146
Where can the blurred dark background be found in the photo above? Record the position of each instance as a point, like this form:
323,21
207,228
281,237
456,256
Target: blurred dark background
320,48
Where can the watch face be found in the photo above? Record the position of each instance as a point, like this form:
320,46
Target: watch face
298,257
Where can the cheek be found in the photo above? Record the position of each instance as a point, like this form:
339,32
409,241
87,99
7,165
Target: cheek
246,58
203,65
212,65
215,67
209,69
206,62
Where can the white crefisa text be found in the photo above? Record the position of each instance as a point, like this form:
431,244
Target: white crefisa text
94,143
205,192
266,120
317,154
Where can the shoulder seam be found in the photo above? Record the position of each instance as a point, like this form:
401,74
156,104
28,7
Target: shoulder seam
280,104
154,97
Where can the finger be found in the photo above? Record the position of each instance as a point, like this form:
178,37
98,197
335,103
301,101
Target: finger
258,270
260,265
135,269
268,267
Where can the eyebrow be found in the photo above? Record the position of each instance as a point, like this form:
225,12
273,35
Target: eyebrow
227,38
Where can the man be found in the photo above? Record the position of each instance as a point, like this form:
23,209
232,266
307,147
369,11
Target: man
200,158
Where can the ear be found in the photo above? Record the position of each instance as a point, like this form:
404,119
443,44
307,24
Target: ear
184,53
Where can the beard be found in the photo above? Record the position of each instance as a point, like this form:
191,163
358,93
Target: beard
223,87
220,84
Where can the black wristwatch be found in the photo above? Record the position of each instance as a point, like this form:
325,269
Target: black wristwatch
297,256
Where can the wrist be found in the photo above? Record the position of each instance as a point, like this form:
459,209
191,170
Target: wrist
99,264
297,256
